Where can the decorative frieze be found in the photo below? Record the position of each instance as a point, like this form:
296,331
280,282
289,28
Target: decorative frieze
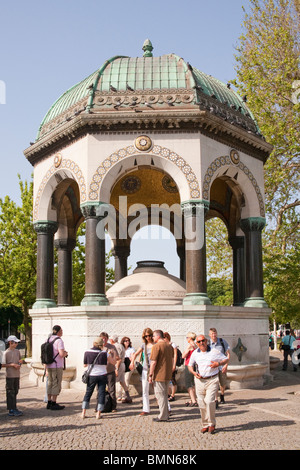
131,150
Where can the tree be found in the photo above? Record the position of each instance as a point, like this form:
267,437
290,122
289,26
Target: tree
219,291
18,255
219,252
268,74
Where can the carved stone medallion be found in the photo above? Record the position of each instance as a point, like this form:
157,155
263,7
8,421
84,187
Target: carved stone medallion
143,143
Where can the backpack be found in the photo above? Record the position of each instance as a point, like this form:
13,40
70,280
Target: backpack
47,354
179,360
107,403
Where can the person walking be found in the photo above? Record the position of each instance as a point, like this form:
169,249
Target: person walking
55,369
120,368
207,362
111,372
144,351
160,374
222,345
288,350
12,362
188,377
97,376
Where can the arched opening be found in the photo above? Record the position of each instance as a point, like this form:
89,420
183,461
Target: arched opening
148,217
155,242
225,242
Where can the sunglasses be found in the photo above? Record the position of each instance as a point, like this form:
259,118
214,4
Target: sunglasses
201,341
148,336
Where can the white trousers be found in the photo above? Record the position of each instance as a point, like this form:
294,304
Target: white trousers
145,390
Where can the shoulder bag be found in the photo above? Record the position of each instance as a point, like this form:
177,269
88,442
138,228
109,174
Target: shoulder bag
86,374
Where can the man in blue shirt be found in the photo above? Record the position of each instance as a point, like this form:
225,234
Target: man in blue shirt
222,345
288,349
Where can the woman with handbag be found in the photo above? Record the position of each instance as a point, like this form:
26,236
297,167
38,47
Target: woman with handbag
96,359
145,351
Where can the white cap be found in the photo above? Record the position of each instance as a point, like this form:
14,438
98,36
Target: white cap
13,338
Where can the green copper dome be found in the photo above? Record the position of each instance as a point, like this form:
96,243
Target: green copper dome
141,74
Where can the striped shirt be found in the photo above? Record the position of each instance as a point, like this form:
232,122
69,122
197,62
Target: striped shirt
100,364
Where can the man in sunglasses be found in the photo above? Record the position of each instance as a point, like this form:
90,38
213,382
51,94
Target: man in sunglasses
204,365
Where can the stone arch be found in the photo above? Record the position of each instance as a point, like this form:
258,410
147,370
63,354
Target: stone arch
175,165
234,167
60,170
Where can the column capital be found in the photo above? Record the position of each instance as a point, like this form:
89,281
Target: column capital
121,251
253,224
191,207
65,244
45,226
94,209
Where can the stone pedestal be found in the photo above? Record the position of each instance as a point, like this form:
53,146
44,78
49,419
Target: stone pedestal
246,330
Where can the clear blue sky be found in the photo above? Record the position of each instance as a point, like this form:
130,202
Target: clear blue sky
47,47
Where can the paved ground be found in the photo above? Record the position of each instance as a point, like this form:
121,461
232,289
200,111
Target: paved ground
263,419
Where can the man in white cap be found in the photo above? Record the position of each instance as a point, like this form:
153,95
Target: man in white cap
12,362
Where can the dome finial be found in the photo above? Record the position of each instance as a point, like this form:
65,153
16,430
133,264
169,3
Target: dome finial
147,48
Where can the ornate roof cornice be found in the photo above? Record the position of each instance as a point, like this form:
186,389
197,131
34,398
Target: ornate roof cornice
216,122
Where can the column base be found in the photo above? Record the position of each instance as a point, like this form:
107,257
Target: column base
258,302
94,299
196,299
44,303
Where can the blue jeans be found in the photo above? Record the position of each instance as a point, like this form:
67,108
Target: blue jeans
100,381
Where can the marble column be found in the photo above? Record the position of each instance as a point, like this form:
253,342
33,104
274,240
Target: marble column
64,270
195,252
45,264
181,254
252,227
94,258
238,255
120,254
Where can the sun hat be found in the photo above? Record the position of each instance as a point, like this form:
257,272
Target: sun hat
13,338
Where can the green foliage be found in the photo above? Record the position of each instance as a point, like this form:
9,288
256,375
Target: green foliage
219,291
268,72
218,250
18,253
12,314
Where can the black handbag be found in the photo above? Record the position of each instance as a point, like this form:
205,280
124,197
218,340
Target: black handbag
86,374
139,367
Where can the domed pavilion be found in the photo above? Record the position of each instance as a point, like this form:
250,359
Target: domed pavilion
150,140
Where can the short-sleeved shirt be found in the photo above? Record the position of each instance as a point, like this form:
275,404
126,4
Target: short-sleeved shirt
204,359
218,345
288,340
58,344
162,353
11,356
100,366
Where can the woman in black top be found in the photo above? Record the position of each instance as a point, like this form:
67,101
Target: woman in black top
97,376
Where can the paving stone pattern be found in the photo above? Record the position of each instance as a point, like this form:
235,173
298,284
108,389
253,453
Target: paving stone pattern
262,419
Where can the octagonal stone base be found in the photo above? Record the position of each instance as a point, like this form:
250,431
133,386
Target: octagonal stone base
246,330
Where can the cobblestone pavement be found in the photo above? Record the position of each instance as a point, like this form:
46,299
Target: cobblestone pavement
260,419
